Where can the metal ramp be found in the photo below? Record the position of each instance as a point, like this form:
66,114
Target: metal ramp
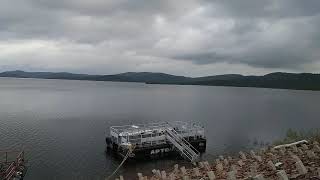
182,145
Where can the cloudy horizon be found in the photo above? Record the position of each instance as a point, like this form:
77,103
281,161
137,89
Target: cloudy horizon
182,37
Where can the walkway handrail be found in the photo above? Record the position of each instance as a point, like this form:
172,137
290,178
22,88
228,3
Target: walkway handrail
185,141
183,145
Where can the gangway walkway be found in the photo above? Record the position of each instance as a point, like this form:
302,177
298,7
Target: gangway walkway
182,145
12,168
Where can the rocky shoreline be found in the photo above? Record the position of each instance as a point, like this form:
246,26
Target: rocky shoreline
299,160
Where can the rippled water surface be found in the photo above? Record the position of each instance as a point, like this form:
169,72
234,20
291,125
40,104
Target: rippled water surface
62,124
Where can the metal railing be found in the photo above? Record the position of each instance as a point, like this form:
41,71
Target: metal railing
143,135
182,145
11,166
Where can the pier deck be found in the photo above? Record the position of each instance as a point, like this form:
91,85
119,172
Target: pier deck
158,138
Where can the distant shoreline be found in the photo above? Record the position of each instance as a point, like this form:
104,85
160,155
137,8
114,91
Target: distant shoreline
278,80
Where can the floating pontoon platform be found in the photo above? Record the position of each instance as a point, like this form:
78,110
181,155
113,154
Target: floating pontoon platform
158,139
12,165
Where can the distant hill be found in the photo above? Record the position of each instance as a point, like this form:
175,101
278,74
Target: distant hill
218,77
145,77
123,77
278,80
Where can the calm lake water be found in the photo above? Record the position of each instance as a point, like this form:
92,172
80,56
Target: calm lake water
62,124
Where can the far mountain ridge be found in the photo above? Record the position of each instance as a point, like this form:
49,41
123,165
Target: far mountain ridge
278,80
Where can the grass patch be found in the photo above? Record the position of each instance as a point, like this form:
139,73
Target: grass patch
293,136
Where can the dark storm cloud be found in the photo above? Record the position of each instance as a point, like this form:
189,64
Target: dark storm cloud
203,57
267,8
270,34
151,35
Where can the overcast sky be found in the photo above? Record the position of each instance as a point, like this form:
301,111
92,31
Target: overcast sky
193,38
